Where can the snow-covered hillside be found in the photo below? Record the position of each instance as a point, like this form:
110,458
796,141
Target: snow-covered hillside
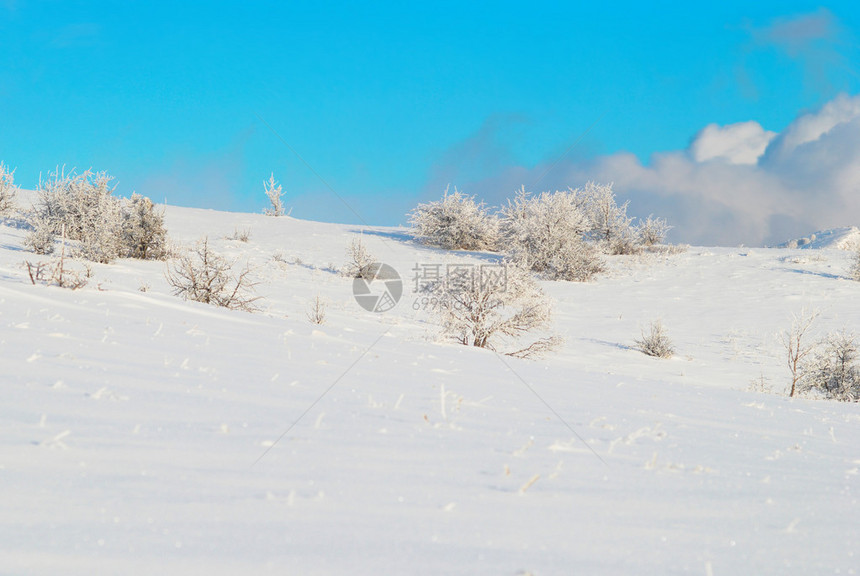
144,434
847,238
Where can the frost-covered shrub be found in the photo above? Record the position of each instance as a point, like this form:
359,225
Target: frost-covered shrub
610,228
202,275
143,233
83,208
494,307
316,314
608,224
359,261
544,233
274,192
8,190
102,227
833,369
456,222
652,231
656,342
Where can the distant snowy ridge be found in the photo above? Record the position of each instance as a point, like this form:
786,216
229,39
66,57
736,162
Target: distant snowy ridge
847,238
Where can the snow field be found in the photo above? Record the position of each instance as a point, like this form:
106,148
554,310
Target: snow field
141,433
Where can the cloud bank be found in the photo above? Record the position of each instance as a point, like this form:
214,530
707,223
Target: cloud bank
734,184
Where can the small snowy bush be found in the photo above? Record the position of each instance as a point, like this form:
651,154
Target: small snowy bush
833,369
205,276
545,234
143,232
274,192
8,190
240,235
656,342
493,308
360,261
316,314
456,222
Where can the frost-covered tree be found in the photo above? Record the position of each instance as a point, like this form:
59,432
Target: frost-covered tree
8,190
143,233
496,307
457,222
274,192
545,233
202,275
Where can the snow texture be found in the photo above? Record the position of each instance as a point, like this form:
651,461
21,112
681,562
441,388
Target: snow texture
145,434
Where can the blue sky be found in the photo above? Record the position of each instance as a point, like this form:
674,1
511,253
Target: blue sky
389,103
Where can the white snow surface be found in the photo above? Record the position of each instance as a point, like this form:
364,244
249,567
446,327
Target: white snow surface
144,434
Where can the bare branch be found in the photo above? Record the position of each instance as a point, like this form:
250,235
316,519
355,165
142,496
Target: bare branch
204,276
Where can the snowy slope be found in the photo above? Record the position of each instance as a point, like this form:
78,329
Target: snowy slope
144,434
847,238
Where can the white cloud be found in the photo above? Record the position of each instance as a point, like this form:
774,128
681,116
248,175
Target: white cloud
741,143
811,127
